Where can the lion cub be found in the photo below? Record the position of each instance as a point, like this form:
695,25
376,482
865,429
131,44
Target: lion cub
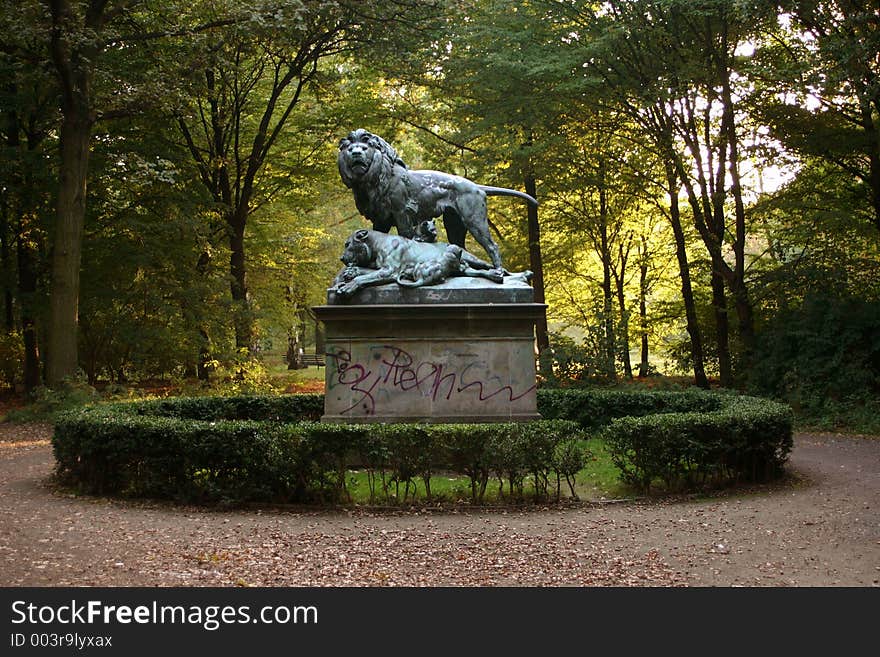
426,231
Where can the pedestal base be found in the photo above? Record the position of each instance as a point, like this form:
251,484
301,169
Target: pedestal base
430,363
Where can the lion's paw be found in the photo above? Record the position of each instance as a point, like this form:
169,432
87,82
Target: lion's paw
348,274
495,275
347,289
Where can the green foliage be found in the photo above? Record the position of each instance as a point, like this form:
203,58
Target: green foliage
263,448
827,52
143,302
745,439
569,458
822,358
573,361
49,402
111,452
11,358
592,408
818,338
259,408
681,438
591,101
238,449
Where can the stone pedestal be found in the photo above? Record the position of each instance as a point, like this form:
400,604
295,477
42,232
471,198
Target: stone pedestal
461,352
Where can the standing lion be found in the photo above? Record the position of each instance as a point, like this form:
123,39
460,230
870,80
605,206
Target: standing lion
388,193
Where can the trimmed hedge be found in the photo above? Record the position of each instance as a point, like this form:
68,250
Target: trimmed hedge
156,449
593,409
262,408
262,448
744,439
680,438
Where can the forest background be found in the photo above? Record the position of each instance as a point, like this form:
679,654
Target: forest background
708,174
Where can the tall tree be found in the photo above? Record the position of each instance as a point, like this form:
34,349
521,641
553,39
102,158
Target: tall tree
75,46
496,77
671,66
821,97
80,36
591,196
29,120
249,82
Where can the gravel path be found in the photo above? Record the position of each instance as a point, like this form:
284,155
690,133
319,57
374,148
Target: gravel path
823,531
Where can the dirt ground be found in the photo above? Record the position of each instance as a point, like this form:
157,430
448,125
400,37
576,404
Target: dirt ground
821,528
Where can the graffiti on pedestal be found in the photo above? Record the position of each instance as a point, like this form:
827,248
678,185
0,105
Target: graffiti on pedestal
395,369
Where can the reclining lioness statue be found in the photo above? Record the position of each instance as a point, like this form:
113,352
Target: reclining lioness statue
390,194
374,258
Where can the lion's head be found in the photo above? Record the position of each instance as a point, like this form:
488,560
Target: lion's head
366,158
357,251
426,231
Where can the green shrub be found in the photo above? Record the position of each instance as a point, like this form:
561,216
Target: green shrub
283,408
822,357
11,358
252,448
746,438
593,408
47,402
265,448
411,453
569,458
467,450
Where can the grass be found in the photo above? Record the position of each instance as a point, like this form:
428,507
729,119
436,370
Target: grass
599,480
309,379
450,489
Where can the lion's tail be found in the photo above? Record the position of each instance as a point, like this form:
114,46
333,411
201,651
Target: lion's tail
403,282
502,191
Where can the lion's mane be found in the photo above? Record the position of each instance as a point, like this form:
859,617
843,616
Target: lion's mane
379,174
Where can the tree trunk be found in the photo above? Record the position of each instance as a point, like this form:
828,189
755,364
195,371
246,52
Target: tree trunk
12,142
204,367
687,293
6,260
536,264
294,355
624,329
738,287
607,298
27,287
643,314
242,319
74,57
745,318
24,252
67,246
31,355
873,139
620,284
722,329
90,364
205,357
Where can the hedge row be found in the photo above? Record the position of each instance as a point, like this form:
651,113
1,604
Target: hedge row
744,439
130,449
261,408
593,409
261,448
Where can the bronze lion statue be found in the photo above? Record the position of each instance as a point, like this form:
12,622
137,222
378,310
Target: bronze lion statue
390,194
